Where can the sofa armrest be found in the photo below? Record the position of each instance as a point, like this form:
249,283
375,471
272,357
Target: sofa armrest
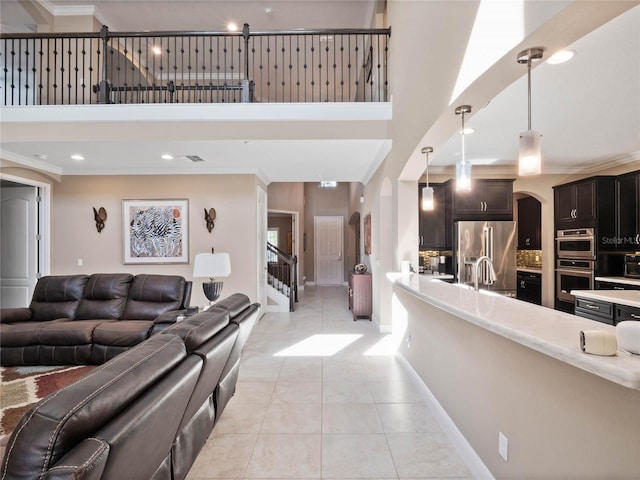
86,461
13,315
169,317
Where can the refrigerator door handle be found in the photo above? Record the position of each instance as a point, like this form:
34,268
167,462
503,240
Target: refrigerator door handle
487,277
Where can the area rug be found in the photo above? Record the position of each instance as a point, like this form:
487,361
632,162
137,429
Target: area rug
22,387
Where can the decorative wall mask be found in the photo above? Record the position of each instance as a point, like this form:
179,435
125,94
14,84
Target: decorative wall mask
100,216
209,217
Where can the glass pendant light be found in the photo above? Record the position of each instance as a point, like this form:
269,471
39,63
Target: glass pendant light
463,168
530,152
427,192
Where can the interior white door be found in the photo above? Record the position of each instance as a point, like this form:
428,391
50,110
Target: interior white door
329,250
19,252
262,246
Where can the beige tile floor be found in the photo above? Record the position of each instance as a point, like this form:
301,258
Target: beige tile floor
312,402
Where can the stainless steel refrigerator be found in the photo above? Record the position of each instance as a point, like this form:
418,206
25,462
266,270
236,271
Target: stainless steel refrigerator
498,241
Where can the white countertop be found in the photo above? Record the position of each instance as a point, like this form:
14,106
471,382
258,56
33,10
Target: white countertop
547,331
630,298
625,280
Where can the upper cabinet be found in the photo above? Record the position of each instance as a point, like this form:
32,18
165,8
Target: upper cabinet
436,226
529,221
628,211
488,200
588,203
576,203
585,203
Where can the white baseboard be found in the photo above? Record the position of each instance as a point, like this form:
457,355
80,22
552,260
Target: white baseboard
469,456
311,284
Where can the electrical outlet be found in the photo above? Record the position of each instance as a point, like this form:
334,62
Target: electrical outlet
503,446
80,262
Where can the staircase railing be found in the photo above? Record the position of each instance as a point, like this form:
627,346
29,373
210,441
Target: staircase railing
326,65
283,273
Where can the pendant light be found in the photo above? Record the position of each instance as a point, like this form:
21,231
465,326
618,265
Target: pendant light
463,168
530,156
427,192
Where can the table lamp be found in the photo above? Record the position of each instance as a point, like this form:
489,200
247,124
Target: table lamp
212,265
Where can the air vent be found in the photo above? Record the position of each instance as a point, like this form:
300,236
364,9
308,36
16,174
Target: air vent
194,158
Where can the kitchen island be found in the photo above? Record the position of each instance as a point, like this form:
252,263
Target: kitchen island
499,365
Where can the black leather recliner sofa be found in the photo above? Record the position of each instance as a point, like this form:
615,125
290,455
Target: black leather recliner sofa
81,319
144,414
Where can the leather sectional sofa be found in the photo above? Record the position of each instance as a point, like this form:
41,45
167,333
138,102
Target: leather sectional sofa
144,414
81,319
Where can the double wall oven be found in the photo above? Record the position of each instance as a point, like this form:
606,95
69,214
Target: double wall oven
575,263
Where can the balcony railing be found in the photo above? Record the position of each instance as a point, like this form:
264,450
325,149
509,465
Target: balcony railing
346,65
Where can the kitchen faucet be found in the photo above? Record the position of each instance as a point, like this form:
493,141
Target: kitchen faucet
492,272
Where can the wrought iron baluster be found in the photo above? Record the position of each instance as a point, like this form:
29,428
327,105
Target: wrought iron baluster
290,68
40,70
298,67
5,70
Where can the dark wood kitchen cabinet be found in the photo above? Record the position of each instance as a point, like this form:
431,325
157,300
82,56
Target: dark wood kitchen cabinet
360,301
529,287
529,221
436,226
585,203
487,200
628,211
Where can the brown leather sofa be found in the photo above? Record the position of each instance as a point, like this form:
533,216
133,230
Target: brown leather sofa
80,319
144,414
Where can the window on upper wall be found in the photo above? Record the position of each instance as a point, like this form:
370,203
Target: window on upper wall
272,238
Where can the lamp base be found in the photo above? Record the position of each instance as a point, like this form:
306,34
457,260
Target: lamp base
212,290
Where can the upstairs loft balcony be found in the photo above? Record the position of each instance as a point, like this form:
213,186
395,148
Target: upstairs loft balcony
299,66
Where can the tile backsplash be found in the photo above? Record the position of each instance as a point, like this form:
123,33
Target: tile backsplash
529,258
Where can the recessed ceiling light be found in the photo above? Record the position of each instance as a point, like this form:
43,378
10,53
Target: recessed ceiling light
561,56
166,156
232,27
156,50
77,156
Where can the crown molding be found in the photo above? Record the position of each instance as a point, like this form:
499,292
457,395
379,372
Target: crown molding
75,11
29,162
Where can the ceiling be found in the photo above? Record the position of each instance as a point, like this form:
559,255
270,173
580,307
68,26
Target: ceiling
587,109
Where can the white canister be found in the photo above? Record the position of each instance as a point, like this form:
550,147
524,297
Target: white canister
598,342
628,335
405,267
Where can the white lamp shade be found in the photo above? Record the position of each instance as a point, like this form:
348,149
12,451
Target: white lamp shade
427,198
463,176
530,158
211,265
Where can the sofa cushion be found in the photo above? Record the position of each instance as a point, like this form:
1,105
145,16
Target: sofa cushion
199,328
77,332
57,297
54,426
104,296
122,334
152,295
25,333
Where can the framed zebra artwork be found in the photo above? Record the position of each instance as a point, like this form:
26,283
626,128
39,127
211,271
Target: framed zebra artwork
155,231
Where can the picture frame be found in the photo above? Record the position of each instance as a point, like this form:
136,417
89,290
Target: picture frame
367,234
155,231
